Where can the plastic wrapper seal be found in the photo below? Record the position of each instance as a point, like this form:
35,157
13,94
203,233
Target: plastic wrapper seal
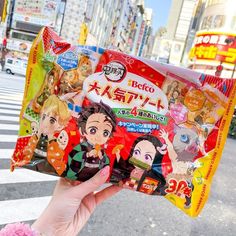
161,128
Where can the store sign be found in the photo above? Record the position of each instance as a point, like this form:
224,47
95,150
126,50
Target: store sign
36,12
18,46
214,46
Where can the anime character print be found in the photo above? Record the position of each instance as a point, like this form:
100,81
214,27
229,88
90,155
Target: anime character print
44,152
69,82
182,151
84,69
96,124
48,88
142,169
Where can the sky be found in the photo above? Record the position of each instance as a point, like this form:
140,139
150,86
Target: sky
160,12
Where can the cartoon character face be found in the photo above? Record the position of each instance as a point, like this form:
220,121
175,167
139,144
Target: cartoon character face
175,84
98,129
63,139
145,152
186,140
85,66
175,94
69,76
34,128
49,124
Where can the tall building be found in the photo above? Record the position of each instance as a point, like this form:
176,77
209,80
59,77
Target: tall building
73,19
139,27
194,26
214,48
90,21
124,25
121,29
180,16
146,32
101,15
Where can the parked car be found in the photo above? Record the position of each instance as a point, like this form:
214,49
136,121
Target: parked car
15,65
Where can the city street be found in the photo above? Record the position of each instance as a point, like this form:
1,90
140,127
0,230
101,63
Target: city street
24,193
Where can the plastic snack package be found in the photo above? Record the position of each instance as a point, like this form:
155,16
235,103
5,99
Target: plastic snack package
161,128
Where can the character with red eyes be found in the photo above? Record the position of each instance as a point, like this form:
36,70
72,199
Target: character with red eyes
96,124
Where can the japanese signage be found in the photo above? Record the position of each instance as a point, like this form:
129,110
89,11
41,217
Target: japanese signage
133,95
41,12
214,46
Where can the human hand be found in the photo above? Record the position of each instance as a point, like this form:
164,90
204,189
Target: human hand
95,153
72,204
164,135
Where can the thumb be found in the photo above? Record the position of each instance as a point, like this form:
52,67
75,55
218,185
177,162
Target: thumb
91,185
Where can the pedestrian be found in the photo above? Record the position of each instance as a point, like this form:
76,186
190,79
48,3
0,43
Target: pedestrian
70,208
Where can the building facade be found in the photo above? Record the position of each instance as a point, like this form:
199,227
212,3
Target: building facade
73,19
122,25
172,44
25,18
214,48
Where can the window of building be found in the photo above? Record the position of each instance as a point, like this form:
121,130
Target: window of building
233,23
207,22
219,21
211,22
214,2
22,36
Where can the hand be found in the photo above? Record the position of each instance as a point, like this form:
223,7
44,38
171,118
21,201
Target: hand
162,150
164,135
72,204
93,153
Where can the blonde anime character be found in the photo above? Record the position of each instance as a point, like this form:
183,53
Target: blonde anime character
48,88
43,150
69,82
84,69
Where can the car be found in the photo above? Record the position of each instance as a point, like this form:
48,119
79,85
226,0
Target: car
15,66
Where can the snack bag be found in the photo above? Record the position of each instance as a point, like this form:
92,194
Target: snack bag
161,128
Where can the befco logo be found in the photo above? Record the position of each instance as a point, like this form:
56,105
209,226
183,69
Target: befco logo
141,86
114,71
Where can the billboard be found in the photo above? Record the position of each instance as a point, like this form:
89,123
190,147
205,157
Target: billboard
41,12
176,52
19,46
214,46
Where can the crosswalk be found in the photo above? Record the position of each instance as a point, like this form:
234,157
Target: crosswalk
23,193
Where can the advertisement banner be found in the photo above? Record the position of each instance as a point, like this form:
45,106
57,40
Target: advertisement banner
19,46
214,46
42,12
164,51
176,52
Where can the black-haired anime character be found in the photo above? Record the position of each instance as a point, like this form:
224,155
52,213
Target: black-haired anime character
96,124
145,159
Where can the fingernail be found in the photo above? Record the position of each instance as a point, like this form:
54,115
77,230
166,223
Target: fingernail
105,171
